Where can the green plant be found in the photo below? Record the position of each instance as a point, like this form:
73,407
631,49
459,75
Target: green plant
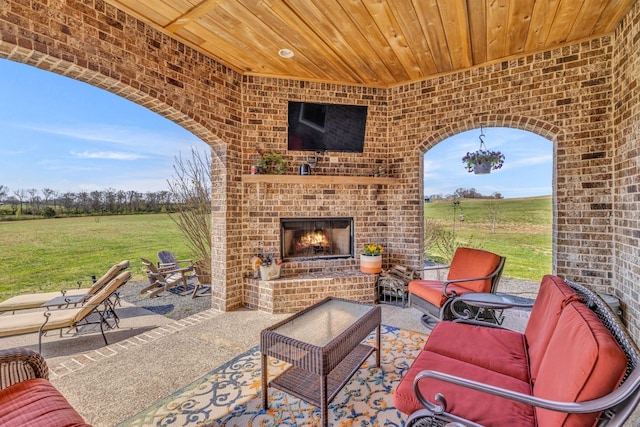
372,249
272,163
481,157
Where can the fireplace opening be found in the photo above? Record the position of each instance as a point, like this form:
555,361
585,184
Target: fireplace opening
303,239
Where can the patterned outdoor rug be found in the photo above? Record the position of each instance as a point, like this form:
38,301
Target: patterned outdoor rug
231,395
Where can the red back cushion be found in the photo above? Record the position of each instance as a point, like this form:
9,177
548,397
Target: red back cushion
553,295
468,263
583,361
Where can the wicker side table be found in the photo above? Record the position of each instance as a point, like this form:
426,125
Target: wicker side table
323,345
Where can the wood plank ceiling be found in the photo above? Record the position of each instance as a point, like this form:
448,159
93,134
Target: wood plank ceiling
377,43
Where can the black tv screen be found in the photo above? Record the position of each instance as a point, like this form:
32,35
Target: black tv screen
327,127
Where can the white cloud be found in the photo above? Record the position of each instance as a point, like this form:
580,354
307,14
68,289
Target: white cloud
107,155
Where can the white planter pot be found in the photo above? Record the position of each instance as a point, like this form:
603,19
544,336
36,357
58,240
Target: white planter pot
270,272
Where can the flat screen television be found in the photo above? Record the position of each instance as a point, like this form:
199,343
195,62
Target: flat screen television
327,127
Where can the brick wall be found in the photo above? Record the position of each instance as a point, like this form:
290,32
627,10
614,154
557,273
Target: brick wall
583,97
626,168
563,95
98,44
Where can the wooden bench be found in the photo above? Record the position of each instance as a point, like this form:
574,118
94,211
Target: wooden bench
574,365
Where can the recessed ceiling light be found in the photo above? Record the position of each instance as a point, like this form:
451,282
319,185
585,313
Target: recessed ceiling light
286,53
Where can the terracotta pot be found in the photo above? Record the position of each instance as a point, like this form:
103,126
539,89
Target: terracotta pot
371,264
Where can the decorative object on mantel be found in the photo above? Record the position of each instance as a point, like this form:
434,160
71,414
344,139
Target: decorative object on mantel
483,161
371,258
272,163
266,267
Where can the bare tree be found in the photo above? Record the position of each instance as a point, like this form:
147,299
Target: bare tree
20,194
67,201
190,189
3,192
47,193
493,213
34,199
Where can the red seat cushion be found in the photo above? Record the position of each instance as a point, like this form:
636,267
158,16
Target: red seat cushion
480,407
468,263
36,402
431,290
583,361
553,295
501,350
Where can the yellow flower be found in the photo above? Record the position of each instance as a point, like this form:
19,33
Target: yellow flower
255,262
372,249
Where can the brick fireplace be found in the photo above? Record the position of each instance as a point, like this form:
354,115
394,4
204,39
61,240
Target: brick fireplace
350,209
313,239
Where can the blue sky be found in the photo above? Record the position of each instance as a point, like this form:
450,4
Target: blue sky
527,170
66,135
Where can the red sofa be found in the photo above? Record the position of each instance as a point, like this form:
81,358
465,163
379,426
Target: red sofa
27,398
566,354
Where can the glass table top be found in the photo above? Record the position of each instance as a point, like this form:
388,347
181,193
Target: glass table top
323,323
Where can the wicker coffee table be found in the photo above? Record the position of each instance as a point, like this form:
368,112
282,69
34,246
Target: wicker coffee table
323,345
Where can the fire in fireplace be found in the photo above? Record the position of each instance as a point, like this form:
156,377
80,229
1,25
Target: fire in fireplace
304,239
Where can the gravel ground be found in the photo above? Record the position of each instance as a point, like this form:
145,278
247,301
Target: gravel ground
175,303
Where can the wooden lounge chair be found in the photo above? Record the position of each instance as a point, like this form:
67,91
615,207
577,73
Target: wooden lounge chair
471,270
164,278
28,301
169,260
96,310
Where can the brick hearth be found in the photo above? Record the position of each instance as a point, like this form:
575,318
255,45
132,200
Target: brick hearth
292,292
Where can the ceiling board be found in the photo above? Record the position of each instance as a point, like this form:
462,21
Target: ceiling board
376,43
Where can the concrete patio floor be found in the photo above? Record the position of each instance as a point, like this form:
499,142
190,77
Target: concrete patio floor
150,356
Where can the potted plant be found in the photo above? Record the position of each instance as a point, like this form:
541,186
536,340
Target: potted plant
272,163
483,161
268,266
371,258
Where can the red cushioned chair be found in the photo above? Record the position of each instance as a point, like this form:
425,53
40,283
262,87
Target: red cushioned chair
471,270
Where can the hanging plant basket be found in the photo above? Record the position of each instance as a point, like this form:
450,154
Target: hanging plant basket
482,168
483,161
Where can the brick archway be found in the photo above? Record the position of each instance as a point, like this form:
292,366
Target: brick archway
151,101
544,129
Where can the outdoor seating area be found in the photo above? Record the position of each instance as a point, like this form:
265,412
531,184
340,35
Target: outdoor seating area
98,309
471,270
317,119
229,353
573,365
65,296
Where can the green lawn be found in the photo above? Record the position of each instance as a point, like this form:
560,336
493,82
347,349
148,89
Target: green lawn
51,254
523,231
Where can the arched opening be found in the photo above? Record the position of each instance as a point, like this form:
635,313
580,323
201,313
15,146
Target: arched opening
508,211
76,149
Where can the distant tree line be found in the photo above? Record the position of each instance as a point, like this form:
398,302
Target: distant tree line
464,193
49,203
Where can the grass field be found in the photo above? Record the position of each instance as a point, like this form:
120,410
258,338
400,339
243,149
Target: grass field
523,230
51,254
